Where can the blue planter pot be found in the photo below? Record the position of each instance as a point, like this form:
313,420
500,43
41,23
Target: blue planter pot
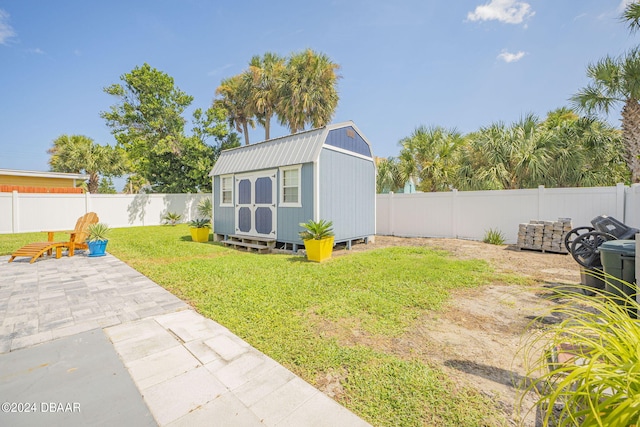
97,248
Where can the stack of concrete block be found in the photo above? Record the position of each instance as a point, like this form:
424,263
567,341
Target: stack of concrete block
546,236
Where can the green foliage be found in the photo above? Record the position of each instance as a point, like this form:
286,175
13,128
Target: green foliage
616,81
200,223
80,154
301,91
148,124
106,186
431,155
316,230
98,231
308,93
599,384
172,218
205,208
493,237
389,176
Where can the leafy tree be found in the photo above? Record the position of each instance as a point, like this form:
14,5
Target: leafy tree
264,75
106,186
431,155
586,152
617,81
80,154
389,176
148,124
308,92
505,157
631,14
235,99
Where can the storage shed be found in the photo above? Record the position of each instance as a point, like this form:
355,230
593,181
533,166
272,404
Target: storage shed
265,190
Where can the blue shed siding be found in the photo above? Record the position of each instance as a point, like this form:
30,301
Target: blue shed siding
348,139
347,194
289,219
223,217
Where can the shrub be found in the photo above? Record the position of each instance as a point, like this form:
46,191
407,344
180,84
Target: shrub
494,237
97,232
588,369
171,218
205,208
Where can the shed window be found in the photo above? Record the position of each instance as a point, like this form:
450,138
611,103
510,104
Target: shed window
226,191
290,186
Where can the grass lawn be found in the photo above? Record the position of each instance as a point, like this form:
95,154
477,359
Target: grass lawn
287,307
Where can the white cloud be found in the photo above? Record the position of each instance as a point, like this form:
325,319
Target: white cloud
6,31
36,51
511,57
507,11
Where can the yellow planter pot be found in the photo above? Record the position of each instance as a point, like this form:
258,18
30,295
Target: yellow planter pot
319,250
200,234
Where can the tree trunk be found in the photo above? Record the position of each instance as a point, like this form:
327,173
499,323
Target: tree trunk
631,137
267,126
245,130
94,181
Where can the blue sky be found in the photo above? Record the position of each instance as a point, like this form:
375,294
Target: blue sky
458,64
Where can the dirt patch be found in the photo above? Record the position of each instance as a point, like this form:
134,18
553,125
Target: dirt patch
476,339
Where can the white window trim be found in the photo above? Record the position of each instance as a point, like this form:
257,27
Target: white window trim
281,185
222,178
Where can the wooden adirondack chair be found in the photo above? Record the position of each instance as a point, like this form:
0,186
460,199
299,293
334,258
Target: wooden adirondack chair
77,240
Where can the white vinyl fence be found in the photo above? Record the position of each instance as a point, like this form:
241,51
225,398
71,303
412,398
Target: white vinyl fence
23,212
469,214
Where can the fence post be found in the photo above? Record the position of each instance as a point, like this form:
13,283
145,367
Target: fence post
540,201
620,202
391,220
15,223
454,214
87,202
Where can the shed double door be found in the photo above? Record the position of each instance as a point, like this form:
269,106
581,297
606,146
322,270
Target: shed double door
256,204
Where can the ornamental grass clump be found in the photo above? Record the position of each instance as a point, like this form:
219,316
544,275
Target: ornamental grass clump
585,369
493,237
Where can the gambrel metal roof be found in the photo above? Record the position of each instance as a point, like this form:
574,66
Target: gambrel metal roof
301,147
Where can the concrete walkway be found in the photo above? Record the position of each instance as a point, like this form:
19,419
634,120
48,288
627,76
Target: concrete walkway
86,341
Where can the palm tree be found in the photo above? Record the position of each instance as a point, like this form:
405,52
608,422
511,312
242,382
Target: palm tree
264,75
235,95
388,175
431,155
617,81
500,157
307,92
631,14
79,154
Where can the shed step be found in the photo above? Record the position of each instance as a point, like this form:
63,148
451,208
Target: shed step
248,246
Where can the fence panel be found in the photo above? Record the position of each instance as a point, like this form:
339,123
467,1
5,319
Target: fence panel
6,213
25,212
469,214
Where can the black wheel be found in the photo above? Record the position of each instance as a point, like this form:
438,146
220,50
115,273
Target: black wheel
584,248
571,236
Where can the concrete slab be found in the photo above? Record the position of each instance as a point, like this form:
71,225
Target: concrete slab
73,381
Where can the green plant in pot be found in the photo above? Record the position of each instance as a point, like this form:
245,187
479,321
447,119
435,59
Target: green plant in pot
200,229
97,239
318,238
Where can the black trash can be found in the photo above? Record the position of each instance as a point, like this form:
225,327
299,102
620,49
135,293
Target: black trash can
619,263
592,279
